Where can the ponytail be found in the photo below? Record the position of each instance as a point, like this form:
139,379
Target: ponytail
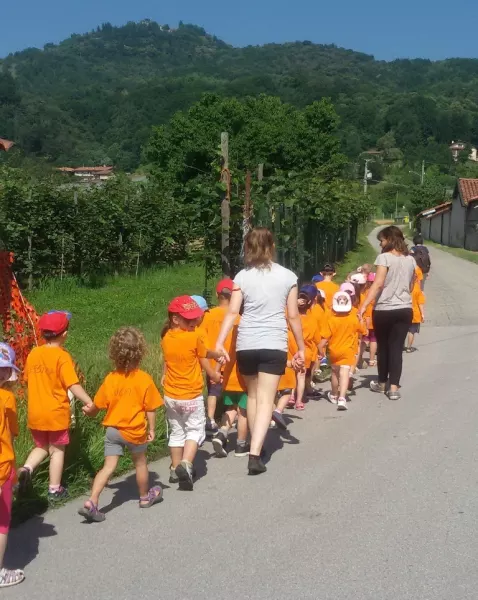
167,325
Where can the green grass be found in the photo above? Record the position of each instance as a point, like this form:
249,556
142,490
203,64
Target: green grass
362,253
97,313
459,252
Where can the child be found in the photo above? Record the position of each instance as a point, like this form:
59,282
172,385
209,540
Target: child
370,338
130,399
235,402
418,302
184,353
50,374
211,326
341,332
287,385
8,429
328,285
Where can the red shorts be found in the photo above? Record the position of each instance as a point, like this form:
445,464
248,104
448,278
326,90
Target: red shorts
6,503
43,439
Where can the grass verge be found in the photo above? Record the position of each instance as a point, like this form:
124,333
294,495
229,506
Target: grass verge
459,252
361,254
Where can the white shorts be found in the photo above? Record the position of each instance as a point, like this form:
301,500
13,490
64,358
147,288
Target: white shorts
187,420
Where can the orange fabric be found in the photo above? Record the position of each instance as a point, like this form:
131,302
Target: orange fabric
419,273
342,331
181,351
49,372
309,331
233,381
211,326
8,429
127,398
418,298
329,288
288,381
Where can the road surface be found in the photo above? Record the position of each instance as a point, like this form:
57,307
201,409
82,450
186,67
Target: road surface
378,503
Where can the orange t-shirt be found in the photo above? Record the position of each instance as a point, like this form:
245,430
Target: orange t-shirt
211,326
310,327
419,274
418,298
182,351
232,379
49,373
8,429
127,397
342,331
288,381
329,288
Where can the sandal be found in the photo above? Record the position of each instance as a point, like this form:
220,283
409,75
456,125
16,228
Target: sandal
299,406
394,395
91,513
372,363
11,577
154,496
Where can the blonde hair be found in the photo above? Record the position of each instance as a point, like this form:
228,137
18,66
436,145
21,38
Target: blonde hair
127,349
259,248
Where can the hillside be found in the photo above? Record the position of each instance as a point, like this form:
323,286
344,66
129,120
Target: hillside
93,98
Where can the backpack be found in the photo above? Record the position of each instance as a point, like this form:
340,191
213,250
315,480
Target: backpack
422,258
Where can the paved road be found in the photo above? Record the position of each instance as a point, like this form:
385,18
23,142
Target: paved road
379,503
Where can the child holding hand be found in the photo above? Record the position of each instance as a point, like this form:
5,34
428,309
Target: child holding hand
130,399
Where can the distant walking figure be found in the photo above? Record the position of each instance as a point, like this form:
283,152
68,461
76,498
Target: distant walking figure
421,255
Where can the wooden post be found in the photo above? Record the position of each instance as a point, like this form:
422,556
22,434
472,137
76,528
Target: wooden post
62,257
30,264
260,172
139,251
225,205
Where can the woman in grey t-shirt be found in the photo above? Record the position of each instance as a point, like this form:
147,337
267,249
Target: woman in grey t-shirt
392,314
268,291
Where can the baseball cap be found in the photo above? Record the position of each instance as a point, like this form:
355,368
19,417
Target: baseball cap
342,308
225,285
55,321
310,291
201,302
7,360
358,278
328,268
348,288
185,307
317,278
371,277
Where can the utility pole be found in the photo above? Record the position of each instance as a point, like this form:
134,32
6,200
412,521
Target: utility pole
423,172
225,205
396,207
365,180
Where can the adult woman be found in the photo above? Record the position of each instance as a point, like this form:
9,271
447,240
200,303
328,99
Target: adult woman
392,314
267,290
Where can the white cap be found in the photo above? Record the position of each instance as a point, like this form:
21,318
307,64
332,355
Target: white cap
342,308
358,278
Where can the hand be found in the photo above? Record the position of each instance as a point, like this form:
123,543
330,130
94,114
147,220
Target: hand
360,314
223,356
163,377
423,319
90,410
217,377
150,437
298,361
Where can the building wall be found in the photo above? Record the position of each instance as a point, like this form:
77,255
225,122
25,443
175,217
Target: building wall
435,229
446,228
457,224
425,228
471,231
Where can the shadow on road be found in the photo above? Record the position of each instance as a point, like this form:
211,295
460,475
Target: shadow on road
24,542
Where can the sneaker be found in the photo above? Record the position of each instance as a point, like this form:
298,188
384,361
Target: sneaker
331,398
342,404
211,427
314,394
173,478
256,466
394,395
58,495
185,473
272,425
242,449
278,418
219,443
377,387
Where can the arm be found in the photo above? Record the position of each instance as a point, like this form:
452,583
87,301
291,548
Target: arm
294,319
210,372
77,390
165,370
228,323
375,288
151,417
322,346
422,312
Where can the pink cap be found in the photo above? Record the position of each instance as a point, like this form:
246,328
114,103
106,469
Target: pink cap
371,277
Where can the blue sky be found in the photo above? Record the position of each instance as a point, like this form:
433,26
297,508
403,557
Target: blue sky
387,29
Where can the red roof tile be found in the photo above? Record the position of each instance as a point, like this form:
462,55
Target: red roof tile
5,144
468,190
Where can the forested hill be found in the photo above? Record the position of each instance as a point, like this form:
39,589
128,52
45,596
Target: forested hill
93,98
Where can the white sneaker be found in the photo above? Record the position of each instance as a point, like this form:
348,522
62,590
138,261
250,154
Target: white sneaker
331,398
342,404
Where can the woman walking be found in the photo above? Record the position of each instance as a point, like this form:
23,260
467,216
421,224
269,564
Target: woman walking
267,290
392,314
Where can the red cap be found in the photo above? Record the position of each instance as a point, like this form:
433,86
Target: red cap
56,322
225,284
185,307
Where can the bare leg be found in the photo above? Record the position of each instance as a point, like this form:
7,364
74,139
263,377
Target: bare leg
344,380
3,546
373,351
102,478
142,474
411,338
334,380
190,450
241,425
211,407
57,460
266,391
35,458
251,384
300,389
228,419
282,402
176,456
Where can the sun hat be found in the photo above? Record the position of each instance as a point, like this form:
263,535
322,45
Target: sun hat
348,288
317,278
185,307
54,321
310,291
225,285
358,278
371,277
342,308
7,360
201,302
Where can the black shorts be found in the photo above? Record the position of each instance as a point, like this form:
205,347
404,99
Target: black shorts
214,389
252,362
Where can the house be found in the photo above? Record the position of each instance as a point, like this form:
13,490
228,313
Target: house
435,223
88,174
457,147
5,145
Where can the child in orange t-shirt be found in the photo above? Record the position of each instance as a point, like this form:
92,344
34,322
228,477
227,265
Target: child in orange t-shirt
370,338
50,375
235,402
185,352
8,430
341,332
287,385
130,399
212,326
418,303
327,285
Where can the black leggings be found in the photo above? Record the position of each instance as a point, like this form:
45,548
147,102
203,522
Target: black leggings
391,327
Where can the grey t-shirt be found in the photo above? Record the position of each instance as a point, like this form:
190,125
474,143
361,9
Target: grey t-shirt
396,291
263,324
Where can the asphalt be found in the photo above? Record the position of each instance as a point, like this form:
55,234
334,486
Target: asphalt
377,503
